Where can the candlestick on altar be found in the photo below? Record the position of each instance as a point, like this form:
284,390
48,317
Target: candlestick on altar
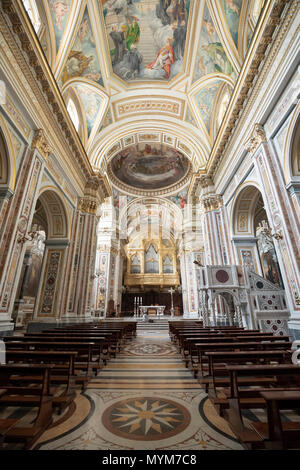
172,306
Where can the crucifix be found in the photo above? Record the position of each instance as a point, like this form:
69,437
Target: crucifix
172,306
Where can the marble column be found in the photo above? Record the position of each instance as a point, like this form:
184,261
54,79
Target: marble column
49,292
17,222
281,216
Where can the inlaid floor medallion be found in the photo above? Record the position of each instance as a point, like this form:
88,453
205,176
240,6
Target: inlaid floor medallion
150,348
146,418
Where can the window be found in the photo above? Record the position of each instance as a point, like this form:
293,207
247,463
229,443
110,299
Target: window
33,13
73,114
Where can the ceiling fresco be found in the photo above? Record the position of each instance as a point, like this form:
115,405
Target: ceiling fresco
82,60
211,55
232,9
146,38
60,12
129,65
150,166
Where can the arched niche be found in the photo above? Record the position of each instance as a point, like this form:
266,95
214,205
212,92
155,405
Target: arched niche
7,159
40,285
291,161
252,236
244,205
56,212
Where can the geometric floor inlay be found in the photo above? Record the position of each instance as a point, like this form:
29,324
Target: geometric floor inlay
150,348
146,418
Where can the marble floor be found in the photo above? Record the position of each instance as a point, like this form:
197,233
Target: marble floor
143,399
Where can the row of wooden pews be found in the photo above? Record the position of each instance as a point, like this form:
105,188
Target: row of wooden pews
44,370
245,370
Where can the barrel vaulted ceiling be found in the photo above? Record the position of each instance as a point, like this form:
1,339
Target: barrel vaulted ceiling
137,72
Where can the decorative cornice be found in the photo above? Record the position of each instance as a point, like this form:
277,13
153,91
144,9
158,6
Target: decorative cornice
245,82
41,144
31,50
258,136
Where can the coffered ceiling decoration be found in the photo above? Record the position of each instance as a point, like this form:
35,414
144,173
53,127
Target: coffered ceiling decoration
155,67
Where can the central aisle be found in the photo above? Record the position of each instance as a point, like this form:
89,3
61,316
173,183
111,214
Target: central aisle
143,399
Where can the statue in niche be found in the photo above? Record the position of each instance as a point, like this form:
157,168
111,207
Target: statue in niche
267,254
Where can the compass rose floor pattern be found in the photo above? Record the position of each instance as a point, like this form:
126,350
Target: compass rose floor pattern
144,399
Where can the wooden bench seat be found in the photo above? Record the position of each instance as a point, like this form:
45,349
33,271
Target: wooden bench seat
198,363
63,372
277,434
84,364
100,352
282,377
37,396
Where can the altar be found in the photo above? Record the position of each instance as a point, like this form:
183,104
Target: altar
152,309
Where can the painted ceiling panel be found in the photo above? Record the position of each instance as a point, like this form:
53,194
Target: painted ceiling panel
82,60
60,12
232,9
91,103
205,100
146,38
211,55
190,118
107,120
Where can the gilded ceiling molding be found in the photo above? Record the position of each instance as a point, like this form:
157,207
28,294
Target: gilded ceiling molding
258,136
245,81
155,104
40,143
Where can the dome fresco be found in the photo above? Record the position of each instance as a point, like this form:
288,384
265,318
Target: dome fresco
146,166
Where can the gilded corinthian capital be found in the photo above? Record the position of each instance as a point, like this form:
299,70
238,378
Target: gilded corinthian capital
257,137
41,144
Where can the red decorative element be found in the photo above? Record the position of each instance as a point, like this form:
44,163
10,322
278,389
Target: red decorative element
222,276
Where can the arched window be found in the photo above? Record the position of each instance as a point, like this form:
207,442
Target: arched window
33,13
223,105
151,260
258,4
73,113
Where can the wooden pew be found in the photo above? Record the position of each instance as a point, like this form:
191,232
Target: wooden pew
275,433
63,372
84,364
241,394
200,363
99,348
111,337
218,363
13,394
188,348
